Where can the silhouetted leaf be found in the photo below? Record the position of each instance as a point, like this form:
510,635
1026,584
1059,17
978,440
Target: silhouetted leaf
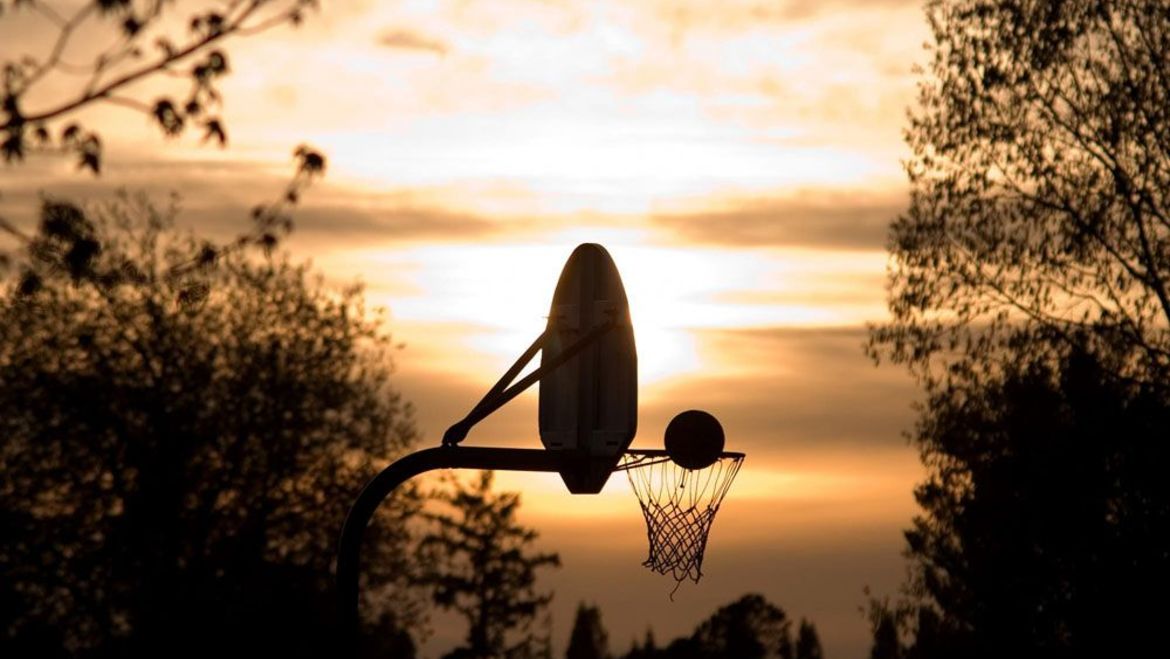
90,161
79,259
64,221
11,105
193,293
214,129
111,6
168,118
164,44
12,146
90,154
309,160
30,283
217,62
214,23
207,254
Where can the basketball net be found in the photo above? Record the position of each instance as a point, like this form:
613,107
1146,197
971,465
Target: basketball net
679,505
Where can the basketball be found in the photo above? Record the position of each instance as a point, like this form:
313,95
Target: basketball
694,439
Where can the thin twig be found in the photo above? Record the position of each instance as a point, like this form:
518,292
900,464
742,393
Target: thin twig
59,45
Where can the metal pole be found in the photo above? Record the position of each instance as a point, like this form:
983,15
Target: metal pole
380,487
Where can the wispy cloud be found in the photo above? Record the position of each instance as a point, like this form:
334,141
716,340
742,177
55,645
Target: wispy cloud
816,218
402,39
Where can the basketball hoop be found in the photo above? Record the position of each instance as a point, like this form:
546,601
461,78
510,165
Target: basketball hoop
588,415
679,505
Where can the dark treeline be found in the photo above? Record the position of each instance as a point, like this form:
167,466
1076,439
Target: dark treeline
749,628
184,425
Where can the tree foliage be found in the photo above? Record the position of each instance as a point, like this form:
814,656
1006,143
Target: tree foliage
885,626
478,563
1042,516
588,640
151,40
808,643
750,627
647,650
1040,179
184,428
1028,293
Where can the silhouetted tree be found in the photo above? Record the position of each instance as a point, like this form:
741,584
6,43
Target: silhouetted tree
1039,212
183,430
647,650
588,639
1041,524
885,625
808,643
750,627
478,563
1028,293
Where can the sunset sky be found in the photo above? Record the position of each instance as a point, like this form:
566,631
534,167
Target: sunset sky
740,161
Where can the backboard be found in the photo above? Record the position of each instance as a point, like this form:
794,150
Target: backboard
589,405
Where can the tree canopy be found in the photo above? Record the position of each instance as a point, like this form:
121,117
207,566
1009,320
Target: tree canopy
1027,287
750,627
184,429
1039,214
588,640
1040,519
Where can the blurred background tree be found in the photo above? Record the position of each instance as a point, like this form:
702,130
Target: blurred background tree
184,428
647,649
588,640
808,642
750,627
478,562
1028,293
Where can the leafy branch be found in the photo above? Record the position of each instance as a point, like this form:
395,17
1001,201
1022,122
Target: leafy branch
113,73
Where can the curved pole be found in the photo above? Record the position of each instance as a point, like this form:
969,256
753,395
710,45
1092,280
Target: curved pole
380,487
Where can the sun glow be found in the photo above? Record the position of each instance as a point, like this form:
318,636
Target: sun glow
499,296
472,309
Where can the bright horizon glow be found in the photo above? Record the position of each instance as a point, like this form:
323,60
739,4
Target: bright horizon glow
496,296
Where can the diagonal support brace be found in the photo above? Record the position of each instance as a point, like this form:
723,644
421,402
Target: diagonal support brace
501,393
